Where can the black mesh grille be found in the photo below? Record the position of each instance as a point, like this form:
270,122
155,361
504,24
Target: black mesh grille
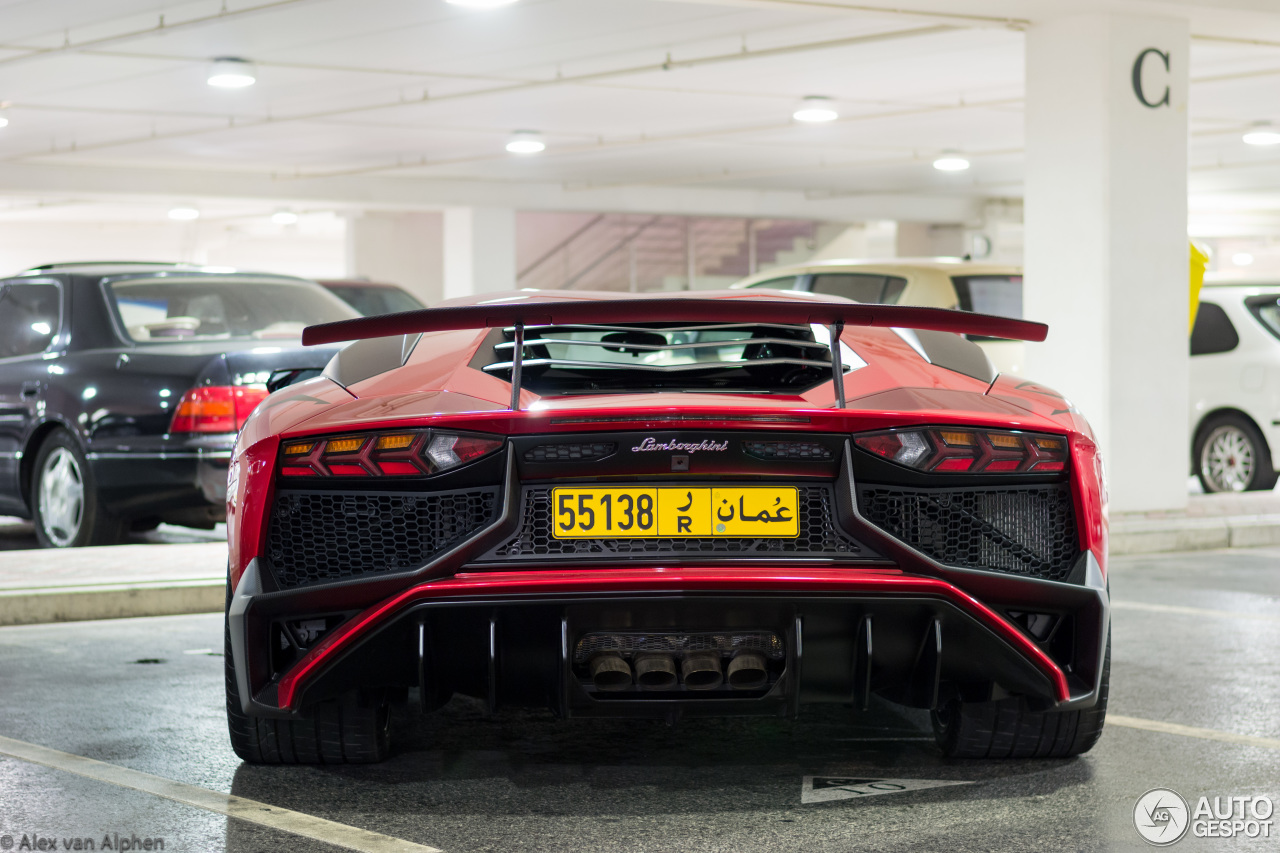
1029,530
819,536
577,452
786,450
324,536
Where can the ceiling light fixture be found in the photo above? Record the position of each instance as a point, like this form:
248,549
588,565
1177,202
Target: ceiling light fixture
284,217
525,142
230,72
1242,259
4,122
950,161
1262,134
480,4
816,108
184,214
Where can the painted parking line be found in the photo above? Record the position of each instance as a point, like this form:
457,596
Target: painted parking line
240,808
1191,731
1193,611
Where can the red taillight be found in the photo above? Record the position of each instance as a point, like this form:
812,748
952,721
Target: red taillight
216,408
969,451
398,454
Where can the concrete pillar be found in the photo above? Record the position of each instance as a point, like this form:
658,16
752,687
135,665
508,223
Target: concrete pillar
399,248
1106,239
479,250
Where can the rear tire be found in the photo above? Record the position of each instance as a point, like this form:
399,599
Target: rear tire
350,730
1008,729
64,499
1231,455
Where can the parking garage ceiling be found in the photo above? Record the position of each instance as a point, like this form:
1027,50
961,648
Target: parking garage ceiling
660,96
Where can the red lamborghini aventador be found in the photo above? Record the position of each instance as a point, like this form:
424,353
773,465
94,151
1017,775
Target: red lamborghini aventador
733,503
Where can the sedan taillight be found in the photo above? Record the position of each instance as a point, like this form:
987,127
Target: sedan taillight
216,408
964,450
397,454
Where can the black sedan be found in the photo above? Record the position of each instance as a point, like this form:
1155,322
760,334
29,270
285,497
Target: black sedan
122,387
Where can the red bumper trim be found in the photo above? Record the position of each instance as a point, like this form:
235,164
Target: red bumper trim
803,581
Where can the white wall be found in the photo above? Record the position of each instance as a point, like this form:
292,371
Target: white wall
312,248
398,248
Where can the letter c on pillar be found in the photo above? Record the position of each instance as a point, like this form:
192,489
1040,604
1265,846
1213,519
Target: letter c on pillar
1137,78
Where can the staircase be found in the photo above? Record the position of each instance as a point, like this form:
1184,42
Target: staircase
633,252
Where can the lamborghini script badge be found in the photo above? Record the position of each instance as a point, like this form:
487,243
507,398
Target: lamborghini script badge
682,447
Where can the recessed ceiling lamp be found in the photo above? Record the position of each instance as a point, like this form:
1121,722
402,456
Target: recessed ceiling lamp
284,217
4,122
184,214
950,161
1262,134
480,4
229,72
525,142
816,108
1242,259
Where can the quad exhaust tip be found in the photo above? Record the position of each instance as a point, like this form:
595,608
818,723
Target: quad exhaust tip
747,671
701,670
655,672
698,670
610,672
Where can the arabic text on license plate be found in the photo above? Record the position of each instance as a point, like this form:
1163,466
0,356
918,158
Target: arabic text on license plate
629,513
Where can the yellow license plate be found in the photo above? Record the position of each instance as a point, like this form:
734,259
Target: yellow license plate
646,513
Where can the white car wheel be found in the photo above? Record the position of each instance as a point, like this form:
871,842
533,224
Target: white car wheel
1228,459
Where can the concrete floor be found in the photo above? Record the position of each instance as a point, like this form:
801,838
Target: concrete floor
1196,642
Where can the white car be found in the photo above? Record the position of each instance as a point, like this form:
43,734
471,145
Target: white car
935,282
1235,387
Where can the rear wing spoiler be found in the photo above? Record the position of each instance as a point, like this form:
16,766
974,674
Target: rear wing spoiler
501,315
834,315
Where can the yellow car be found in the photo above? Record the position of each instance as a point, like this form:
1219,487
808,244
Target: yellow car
933,282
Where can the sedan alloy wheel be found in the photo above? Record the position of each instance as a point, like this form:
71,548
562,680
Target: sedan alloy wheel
61,497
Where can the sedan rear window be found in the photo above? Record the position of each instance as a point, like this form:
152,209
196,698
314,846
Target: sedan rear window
989,294
214,308
861,287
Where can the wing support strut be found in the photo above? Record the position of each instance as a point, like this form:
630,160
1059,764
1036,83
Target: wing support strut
837,368
517,362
